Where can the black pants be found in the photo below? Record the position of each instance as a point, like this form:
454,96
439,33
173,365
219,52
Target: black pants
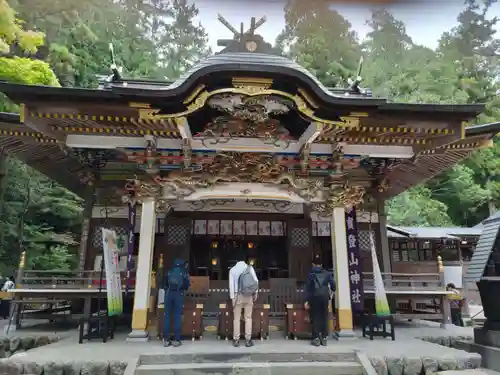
5,308
456,317
319,317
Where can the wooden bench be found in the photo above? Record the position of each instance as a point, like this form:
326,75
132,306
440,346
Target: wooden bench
99,326
376,326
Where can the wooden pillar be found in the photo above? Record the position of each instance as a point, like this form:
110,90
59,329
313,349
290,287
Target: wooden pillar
143,274
84,238
340,260
384,243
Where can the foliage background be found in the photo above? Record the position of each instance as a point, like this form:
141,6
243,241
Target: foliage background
66,43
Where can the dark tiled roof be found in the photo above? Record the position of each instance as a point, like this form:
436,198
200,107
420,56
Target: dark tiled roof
432,232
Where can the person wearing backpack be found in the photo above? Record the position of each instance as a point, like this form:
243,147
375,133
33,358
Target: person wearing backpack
176,283
243,288
319,288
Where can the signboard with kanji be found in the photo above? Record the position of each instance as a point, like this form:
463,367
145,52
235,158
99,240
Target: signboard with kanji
354,262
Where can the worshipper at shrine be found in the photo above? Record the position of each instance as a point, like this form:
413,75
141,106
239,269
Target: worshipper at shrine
243,289
319,289
456,301
176,283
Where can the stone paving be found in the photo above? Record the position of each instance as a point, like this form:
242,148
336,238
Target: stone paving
408,355
419,346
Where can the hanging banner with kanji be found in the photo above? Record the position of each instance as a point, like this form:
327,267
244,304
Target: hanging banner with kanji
112,266
132,211
381,304
354,262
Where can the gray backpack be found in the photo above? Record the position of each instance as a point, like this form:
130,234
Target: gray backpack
247,285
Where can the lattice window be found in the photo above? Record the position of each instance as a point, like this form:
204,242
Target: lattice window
364,240
178,234
300,237
97,235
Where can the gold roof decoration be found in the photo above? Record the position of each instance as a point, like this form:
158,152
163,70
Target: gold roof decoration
340,196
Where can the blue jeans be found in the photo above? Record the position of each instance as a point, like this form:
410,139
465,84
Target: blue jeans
174,301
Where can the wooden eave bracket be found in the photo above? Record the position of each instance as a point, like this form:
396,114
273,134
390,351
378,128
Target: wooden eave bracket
185,132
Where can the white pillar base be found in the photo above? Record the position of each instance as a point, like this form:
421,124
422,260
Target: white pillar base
138,336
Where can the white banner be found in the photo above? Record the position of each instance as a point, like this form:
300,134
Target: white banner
112,266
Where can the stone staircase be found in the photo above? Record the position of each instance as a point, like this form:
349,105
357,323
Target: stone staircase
346,363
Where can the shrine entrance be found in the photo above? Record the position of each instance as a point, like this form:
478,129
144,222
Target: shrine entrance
213,256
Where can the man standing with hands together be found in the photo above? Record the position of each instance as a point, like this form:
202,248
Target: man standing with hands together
319,289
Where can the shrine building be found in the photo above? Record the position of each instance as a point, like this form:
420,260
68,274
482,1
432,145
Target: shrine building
247,151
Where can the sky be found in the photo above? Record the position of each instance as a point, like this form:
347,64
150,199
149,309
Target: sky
425,20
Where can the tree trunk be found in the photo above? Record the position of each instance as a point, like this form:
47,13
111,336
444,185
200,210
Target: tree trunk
4,168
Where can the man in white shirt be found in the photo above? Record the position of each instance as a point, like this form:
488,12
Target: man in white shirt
243,288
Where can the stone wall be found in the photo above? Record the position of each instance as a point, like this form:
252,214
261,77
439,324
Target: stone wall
12,345
412,364
18,366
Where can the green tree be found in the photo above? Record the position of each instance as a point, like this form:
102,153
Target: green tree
25,194
182,42
320,39
402,71
20,69
79,33
473,49
39,217
416,207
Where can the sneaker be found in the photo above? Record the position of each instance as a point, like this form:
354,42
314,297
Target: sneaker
167,343
236,343
316,342
248,343
323,341
177,343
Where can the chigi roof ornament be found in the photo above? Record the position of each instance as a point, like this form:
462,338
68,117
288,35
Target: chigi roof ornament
354,82
117,70
245,41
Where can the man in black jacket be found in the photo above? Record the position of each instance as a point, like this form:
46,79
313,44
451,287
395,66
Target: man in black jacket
319,288
176,283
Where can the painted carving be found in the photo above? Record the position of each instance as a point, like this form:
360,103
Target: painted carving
137,191
247,117
150,158
340,196
234,167
226,167
252,108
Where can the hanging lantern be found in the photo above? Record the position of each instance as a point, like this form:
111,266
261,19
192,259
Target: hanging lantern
215,245
250,245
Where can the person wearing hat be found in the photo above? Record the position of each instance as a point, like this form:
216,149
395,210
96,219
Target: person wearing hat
176,283
319,288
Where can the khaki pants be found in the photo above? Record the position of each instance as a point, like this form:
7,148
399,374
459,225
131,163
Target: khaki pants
246,303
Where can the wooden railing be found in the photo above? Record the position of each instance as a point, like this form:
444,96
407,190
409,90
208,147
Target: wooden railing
55,279
405,281
275,292
91,279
